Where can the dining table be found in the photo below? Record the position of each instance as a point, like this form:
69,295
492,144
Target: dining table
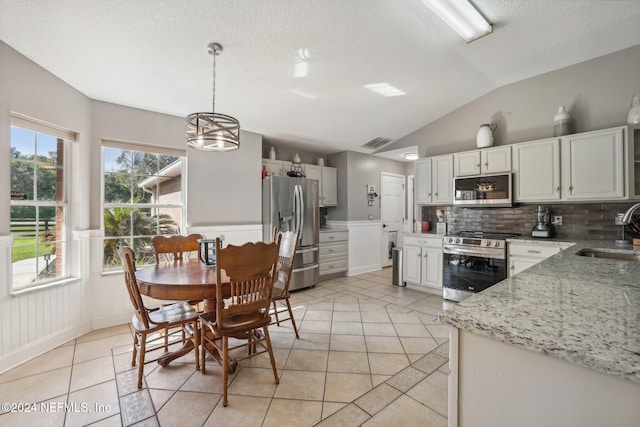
188,280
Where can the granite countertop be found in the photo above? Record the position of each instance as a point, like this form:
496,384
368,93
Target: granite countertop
582,310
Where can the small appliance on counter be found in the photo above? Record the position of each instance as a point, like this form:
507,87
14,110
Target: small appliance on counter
543,227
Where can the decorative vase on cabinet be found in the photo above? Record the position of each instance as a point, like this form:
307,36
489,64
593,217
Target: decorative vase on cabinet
634,113
485,135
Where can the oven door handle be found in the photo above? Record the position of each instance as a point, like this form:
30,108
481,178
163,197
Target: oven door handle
491,253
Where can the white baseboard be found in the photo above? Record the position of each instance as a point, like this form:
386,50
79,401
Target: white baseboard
361,269
112,320
34,349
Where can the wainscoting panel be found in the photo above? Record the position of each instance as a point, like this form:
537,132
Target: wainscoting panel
233,234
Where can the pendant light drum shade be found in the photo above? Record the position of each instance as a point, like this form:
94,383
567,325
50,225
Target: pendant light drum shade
213,131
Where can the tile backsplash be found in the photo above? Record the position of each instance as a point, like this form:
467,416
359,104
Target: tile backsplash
579,221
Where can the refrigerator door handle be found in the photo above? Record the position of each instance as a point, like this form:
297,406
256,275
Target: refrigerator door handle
302,213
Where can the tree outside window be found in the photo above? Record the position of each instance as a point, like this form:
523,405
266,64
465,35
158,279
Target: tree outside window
38,208
143,197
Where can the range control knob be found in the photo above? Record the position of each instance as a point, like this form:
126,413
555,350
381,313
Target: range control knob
458,240
450,240
488,243
496,244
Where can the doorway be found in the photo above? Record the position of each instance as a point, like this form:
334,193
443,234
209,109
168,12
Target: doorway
392,200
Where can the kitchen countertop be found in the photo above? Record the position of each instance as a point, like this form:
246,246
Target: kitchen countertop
332,229
582,310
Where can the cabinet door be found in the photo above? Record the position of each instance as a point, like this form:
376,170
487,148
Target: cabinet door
412,264
274,167
496,160
315,172
518,264
330,186
432,267
442,179
422,181
467,163
593,165
536,171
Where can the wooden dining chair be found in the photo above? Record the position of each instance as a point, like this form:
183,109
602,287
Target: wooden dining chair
175,246
152,326
250,271
286,257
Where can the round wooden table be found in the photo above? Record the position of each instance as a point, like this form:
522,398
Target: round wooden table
182,281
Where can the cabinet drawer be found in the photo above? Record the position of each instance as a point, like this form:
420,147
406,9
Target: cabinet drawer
535,251
333,236
431,241
332,266
333,249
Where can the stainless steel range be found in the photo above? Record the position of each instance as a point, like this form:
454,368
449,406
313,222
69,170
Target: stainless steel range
473,261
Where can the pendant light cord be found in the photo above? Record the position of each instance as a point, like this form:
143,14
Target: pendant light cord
213,106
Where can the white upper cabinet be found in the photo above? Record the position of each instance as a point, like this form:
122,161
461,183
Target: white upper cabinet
329,186
536,171
326,176
481,162
327,183
434,180
442,179
593,165
422,181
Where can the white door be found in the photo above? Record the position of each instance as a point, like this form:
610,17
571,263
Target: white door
392,213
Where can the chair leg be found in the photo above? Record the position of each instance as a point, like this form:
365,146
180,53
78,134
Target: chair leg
196,343
135,349
143,349
293,321
270,350
225,369
275,312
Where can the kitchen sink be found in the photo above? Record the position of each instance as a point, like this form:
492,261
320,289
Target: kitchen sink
619,255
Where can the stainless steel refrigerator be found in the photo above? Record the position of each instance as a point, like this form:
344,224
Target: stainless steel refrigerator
289,204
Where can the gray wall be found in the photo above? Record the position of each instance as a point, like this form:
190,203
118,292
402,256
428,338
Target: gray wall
28,89
355,172
597,93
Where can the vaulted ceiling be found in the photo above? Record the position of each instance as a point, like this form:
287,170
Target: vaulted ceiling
296,71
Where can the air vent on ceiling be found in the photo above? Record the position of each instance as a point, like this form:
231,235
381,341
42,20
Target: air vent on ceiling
376,143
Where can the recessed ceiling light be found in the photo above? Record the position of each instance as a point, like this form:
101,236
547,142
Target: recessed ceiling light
410,156
385,89
462,17
301,66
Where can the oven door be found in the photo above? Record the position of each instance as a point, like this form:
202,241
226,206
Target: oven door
467,272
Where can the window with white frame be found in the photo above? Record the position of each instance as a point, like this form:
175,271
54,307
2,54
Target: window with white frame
39,202
143,196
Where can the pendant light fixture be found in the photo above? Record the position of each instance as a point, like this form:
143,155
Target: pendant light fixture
213,131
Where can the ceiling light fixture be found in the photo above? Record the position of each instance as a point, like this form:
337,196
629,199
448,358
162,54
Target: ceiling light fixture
462,17
385,89
213,131
410,156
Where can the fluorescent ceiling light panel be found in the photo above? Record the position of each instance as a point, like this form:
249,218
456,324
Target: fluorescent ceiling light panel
385,89
462,17
410,156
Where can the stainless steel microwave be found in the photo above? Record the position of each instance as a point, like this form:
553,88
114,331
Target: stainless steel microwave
483,190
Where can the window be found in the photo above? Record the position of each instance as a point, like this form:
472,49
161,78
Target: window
38,166
143,196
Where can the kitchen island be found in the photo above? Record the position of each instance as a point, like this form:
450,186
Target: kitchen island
557,344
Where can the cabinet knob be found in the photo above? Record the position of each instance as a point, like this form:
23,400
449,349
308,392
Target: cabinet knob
571,188
436,194
478,165
558,188
429,194
486,165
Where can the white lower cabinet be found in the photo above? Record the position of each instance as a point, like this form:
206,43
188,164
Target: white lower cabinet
524,255
422,263
334,252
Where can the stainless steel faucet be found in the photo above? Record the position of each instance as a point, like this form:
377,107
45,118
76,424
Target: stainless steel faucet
627,215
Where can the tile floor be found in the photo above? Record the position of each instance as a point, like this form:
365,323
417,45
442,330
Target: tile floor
369,354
